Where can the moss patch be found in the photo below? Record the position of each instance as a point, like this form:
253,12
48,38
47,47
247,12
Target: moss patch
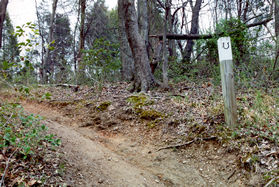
149,114
103,106
153,123
139,100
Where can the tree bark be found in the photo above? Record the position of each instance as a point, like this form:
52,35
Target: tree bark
276,17
143,21
165,57
194,30
144,77
41,69
50,39
128,67
3,8
74,44
170,27
81,68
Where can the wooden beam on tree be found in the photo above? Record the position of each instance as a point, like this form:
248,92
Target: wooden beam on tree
183,36
205,36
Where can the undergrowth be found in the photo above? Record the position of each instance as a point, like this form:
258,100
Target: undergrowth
22,136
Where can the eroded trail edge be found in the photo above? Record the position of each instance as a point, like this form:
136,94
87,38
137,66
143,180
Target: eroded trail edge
118,161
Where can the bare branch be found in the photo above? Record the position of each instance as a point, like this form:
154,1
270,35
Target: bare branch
206,36
6,168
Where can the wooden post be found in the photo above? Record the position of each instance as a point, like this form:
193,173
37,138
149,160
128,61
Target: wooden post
227,77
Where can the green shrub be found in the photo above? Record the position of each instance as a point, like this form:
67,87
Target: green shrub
22,132
102,62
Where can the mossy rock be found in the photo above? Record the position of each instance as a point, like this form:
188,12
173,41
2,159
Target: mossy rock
103,106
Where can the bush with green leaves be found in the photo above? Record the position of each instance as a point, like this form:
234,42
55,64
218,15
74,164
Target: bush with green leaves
22,132
251,56
22,69
102,61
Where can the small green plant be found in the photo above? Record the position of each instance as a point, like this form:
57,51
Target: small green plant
24,90
47,96
22,132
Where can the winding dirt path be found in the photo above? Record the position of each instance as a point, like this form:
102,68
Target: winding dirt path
117,161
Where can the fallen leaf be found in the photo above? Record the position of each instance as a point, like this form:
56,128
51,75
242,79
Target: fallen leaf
32,182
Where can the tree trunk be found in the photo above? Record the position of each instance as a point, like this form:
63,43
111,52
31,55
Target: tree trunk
81,68
3,8
276,17
170,27
143,21
165,56
50,39
194,30
144,77
276,12
41,69
74,45
128,67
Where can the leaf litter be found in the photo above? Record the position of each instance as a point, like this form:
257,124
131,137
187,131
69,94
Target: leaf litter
191,113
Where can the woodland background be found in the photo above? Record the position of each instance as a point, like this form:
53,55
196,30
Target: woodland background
167,49
149,42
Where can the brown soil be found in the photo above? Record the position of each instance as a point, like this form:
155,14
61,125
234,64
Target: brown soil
107,142
118,160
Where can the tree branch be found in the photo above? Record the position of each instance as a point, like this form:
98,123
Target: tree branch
206,36
6,168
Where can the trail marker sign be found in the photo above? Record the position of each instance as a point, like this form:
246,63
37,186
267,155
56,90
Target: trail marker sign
227,78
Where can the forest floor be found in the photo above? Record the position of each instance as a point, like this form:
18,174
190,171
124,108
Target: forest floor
111,137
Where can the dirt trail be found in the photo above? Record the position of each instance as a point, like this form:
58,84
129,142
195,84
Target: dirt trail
118,161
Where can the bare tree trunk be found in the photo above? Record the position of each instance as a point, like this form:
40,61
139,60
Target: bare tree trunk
143,21
74,45
194,30
128,67
230,8
276,13
165,56
81,68
41,69
144,77
216,13
170,27
276,17
50,39
157,57
3,8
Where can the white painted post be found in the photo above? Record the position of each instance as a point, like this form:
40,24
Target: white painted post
227,77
